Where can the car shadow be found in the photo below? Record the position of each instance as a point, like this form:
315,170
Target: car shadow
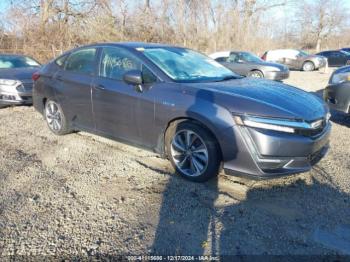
270,219
337,117
224,217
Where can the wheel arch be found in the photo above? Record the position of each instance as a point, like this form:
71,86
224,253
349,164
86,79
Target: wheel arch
178,120
257,70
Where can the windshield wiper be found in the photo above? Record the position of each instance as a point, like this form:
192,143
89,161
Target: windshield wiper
229,78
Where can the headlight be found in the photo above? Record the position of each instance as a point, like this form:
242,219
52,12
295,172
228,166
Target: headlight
272,68
9,82
340,78
281,125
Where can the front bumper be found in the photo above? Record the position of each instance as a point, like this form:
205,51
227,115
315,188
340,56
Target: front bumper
263,154
338,96
19,95
15,99
276,75
320,63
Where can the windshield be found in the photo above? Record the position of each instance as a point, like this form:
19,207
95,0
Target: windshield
7,62
249,57
302,53
184,65
345,52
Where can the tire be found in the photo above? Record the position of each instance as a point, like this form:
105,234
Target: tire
256,74
308,66
55,118
195,166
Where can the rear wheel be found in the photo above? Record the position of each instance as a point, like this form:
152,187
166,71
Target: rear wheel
256,74
308,66
193,151
55,118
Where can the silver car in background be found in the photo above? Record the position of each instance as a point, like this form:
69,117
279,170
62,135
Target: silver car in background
295,59
248,64
16,82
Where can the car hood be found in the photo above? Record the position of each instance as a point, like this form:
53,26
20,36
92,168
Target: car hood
279,66
264,98
313,57
18,73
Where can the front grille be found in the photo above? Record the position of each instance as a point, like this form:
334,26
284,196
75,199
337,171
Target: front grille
26,98
313,132
25,87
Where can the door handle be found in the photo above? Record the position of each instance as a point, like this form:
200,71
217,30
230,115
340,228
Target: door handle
99,87
59,77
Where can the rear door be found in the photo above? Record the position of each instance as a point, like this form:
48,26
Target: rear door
73,88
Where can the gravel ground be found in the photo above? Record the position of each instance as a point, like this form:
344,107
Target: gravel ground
80,195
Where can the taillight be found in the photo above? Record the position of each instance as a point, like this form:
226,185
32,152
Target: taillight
264,56
35,76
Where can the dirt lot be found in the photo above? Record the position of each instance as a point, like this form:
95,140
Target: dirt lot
81,195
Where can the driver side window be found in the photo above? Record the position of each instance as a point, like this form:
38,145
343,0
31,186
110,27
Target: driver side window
115,62
233,58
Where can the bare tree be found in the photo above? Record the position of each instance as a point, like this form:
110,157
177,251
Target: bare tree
321,19
45,28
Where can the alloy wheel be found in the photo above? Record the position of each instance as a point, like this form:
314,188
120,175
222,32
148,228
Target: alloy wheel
53,116
308,66
256,74
189,153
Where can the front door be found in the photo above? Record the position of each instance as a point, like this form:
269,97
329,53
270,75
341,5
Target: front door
117,106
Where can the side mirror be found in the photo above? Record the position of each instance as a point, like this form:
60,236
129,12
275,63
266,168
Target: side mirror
133,77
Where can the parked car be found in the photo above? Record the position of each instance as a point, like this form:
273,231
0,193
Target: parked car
337,93
248,64
185,106
16,82
336,57
295,59
346,49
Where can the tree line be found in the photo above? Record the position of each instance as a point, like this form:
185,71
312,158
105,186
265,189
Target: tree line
45,28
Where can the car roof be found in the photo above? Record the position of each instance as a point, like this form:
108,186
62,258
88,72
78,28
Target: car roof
131,44
225,53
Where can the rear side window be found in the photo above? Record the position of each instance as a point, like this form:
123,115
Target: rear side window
221,59
82,61
115,62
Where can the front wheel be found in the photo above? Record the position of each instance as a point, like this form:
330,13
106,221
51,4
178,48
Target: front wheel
256,74
193,151
308,66
55,118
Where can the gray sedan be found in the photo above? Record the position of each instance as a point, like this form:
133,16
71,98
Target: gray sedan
185,106
16,82
248,64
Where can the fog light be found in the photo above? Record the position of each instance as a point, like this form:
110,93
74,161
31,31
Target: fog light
270,163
